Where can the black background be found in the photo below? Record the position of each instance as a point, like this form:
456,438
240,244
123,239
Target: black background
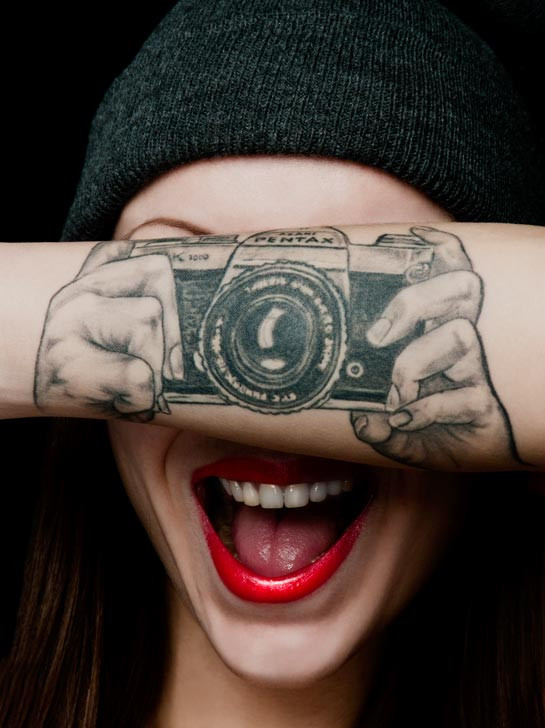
57,62
59,59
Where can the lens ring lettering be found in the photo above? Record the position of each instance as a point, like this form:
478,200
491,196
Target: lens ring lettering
312,338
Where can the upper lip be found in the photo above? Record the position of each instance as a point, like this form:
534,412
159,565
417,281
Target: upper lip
278,471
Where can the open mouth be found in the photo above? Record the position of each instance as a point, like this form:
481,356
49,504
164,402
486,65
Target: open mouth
278,541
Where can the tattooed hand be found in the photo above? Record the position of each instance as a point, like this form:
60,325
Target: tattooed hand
279,322
441,407
110,336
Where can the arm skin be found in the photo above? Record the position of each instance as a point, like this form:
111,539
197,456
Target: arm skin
93,330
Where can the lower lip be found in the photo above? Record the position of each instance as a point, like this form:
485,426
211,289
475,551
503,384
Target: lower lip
253,587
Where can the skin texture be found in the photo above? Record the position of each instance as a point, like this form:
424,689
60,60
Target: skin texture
332,327
311,659
378,321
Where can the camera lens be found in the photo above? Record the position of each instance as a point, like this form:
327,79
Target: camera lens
274,338
270,340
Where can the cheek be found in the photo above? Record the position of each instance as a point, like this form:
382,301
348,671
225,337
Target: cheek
155,464
422,514
140,452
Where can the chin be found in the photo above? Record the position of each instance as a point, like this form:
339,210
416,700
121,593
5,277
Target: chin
285,567
278,656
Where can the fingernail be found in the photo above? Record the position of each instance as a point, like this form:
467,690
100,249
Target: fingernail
177,361
400,419
378,330
360,424
393,399
163,405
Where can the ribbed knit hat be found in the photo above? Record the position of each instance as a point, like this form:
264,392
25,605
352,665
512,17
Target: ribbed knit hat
402,85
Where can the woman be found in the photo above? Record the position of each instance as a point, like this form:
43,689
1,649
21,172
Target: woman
236,649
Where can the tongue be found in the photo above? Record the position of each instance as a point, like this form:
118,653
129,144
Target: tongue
276,542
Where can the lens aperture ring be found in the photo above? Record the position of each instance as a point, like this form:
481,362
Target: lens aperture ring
274,337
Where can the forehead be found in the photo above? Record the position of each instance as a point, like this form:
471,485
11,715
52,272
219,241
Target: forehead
245,193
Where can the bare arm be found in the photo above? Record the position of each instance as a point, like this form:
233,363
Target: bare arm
381,344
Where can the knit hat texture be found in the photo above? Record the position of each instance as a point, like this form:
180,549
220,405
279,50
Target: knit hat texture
402,85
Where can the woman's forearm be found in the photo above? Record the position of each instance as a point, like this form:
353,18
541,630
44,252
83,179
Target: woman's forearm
384,344
30,274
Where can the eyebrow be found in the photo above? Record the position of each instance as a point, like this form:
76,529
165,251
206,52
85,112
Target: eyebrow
172,222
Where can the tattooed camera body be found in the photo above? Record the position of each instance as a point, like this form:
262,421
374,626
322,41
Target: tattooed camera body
277,322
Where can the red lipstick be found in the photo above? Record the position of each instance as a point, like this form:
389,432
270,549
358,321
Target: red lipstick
242,581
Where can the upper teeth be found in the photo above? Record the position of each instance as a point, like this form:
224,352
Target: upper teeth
296,495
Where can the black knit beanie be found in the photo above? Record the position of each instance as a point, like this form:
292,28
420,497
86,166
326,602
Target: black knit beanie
402,85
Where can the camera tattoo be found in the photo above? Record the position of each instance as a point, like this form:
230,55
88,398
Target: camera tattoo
279,322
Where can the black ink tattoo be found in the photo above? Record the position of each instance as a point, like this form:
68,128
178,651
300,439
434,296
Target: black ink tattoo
279,322
276,322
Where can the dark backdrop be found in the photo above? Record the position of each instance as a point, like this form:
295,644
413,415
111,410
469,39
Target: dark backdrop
57,62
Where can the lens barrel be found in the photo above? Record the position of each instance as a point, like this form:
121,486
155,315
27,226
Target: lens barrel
274,338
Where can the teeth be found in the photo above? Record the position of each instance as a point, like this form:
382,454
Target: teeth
271,496
250,494
333,487
296,495
318,492
237,490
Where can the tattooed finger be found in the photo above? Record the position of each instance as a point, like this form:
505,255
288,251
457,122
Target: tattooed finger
106,252
452,407
452,349
104,382
449,252
150,276
371,427
448,296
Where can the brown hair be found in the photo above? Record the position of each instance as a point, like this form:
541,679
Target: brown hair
90,645
90,640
